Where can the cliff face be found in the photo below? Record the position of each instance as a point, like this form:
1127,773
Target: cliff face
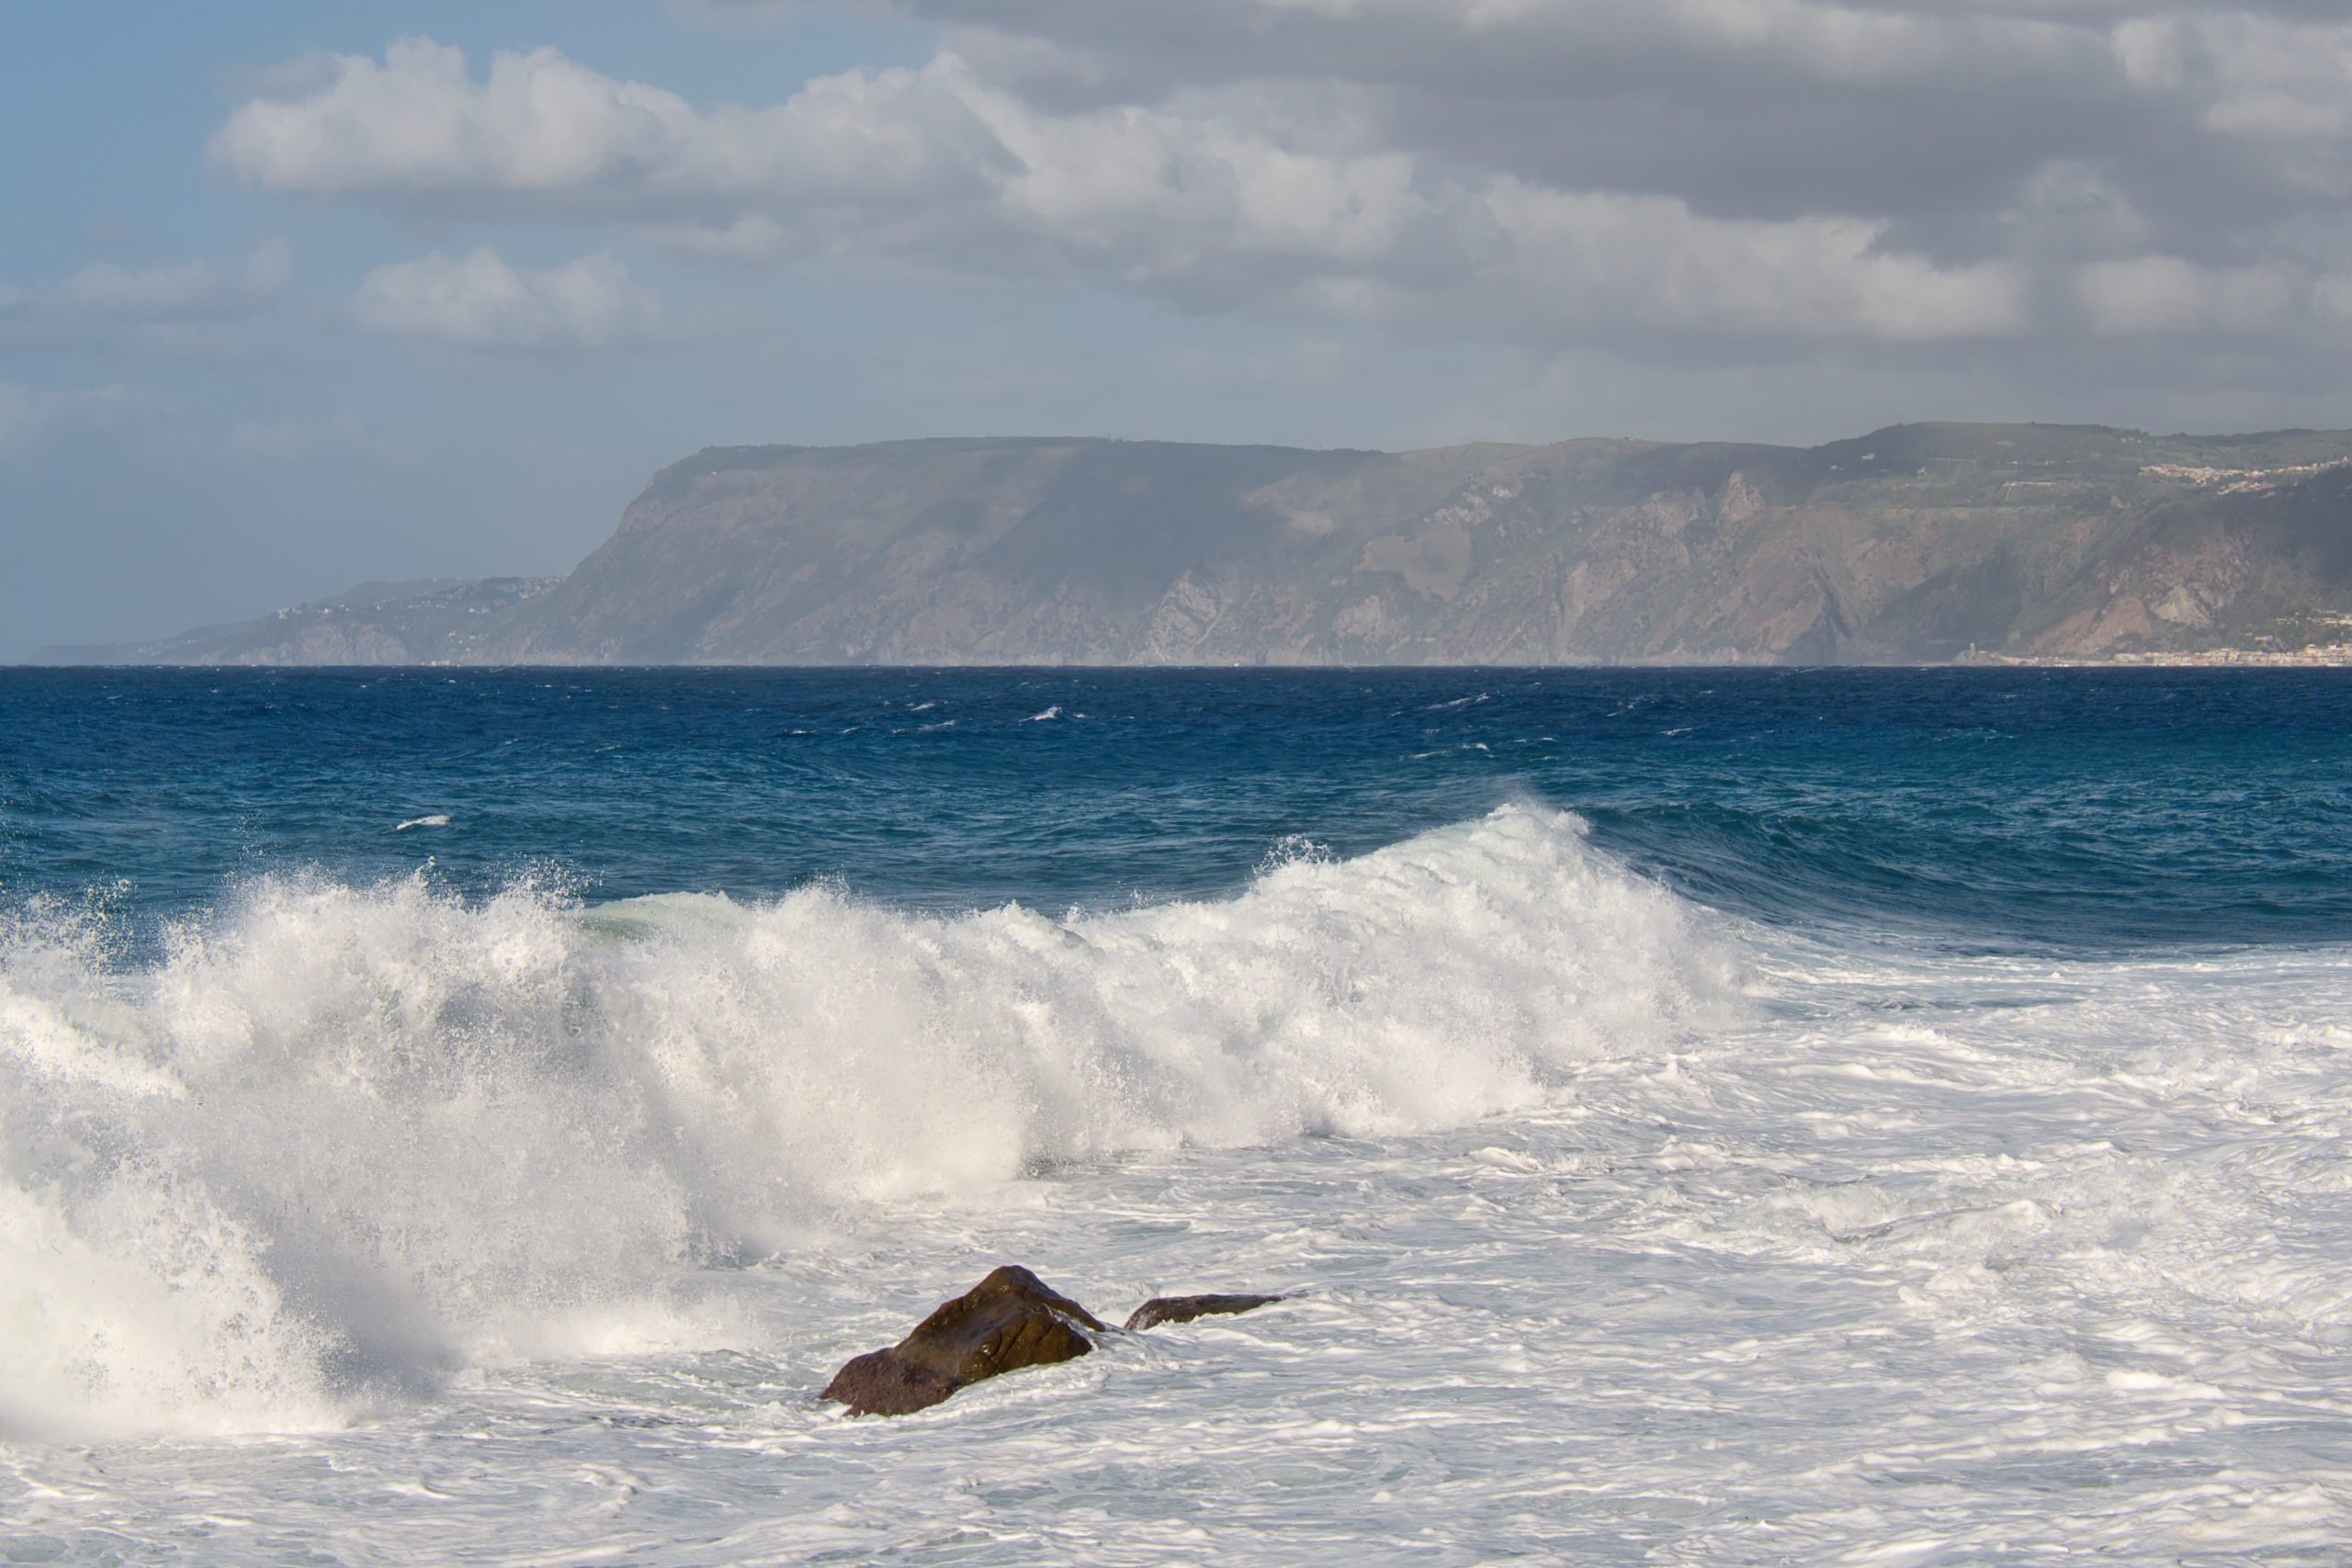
1916,544
1913,544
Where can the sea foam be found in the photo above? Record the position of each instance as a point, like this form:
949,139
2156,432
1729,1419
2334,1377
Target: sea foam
341,1141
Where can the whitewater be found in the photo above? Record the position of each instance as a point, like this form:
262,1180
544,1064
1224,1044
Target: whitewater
1664,1158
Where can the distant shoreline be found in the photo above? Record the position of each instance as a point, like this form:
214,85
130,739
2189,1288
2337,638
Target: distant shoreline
2334,658
2337,656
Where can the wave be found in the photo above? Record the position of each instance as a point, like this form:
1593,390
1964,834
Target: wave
341,1140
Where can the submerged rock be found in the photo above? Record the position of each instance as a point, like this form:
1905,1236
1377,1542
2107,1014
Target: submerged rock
1009,1320
1183,1309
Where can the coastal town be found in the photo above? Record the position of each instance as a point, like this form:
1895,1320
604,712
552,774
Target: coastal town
2274,656
2334,654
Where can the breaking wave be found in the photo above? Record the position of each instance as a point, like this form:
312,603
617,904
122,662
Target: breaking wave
337,1139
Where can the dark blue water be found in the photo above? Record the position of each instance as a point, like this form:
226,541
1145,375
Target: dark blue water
2083,809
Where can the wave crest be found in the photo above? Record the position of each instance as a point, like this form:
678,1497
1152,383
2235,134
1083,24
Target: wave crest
339,1138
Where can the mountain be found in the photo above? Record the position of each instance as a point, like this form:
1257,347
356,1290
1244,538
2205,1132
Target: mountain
435,620
1921,543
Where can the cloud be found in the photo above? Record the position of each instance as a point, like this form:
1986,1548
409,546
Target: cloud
28,415
1653,260
545,134
481,302
2165,294
197,288
106,300
1758,174
2250,75
1210,198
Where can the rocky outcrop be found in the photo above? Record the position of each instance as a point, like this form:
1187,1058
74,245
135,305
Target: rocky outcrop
1184,1309
1009,1320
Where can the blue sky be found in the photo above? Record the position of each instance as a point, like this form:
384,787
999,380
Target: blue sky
293,297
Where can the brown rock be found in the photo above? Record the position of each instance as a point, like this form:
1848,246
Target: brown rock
1009,1320
1183,1309
883,1383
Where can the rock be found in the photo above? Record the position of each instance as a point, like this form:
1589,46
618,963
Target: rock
1009,1320
1183,1309
883,1383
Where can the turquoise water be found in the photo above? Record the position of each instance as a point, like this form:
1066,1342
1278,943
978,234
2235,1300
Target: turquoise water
1693,1117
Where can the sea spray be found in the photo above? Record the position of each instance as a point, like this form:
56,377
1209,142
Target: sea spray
339,1141
2001,1218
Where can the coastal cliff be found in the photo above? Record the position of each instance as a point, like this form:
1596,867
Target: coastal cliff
1924,543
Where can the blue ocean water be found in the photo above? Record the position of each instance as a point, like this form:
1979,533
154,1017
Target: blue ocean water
2064,807
1692,1116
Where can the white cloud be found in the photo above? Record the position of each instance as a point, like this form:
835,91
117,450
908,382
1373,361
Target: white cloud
1651,259
1208,197
2283,87
543,125
481,302
2253,75
192,289
2071,208
750,240
106,294
2165,294
1558,172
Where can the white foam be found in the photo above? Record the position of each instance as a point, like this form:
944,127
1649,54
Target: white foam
1903,1256
419,1132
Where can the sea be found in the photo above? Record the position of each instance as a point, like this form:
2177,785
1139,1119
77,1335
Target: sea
1691,1116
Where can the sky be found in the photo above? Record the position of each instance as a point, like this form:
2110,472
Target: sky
297,296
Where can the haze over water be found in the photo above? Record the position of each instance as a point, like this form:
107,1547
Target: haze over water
1696,1116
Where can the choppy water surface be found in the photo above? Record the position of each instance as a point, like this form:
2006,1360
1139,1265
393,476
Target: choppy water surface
1697,1116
